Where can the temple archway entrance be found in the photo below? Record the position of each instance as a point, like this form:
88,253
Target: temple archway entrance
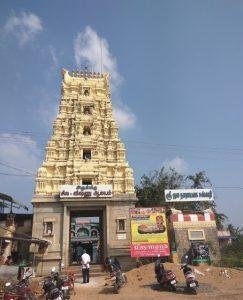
86,233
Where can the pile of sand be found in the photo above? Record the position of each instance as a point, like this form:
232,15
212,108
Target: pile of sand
213,281
142,285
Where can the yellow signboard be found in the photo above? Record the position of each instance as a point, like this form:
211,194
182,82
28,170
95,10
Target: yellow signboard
149,232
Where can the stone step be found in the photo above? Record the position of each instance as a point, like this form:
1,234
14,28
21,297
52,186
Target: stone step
91,274
95,270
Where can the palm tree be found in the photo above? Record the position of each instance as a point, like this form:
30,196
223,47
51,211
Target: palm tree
199,180
220,219
235,231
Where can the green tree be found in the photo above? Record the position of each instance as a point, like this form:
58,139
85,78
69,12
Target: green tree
235,232
220,219
199,180
150,191
232,255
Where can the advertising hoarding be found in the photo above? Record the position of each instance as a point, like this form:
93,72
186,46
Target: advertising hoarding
184,195
149,232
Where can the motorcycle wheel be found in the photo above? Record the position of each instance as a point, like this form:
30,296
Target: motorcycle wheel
172,287
29,296
59,297
32,297
66,294
194,291
116,288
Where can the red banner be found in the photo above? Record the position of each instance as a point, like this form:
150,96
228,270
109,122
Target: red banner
145,250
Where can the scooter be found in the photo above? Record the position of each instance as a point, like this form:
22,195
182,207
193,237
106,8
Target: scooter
166,278
191,282
118,280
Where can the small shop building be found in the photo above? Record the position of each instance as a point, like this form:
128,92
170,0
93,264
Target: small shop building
193,234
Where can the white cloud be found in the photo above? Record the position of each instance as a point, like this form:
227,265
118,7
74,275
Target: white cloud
19,151
125,118
91,49
88,47
24,27
177,163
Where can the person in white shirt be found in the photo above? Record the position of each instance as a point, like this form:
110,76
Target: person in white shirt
85,258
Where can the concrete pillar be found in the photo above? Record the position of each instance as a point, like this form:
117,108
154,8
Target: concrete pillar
107,226
65,236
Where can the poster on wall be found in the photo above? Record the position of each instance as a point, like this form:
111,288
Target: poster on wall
199,251
149,232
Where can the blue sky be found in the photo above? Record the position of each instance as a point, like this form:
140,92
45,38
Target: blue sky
177,85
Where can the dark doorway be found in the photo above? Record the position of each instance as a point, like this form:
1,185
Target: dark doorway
86,233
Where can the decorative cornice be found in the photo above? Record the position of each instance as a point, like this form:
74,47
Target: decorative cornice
182,225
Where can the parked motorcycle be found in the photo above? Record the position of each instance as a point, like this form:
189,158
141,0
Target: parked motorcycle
117,278
67,285
10,292
166,278
51,291
19,291
64,282
191,282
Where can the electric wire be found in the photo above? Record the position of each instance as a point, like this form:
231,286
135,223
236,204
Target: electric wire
17,175
157,145
229,187
185,146
10,165
174,147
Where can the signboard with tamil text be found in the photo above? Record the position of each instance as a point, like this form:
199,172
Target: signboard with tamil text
149,232
183,195
86,191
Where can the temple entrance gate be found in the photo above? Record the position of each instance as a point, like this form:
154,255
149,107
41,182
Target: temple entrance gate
86,233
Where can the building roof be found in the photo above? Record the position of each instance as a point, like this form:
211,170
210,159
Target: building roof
28,240
224,234
193,217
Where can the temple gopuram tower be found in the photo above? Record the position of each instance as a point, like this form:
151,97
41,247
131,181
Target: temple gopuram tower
85,187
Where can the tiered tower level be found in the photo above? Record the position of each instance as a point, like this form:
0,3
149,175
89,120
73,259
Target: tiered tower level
85,147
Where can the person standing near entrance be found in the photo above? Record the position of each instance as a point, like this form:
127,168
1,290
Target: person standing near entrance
85,258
